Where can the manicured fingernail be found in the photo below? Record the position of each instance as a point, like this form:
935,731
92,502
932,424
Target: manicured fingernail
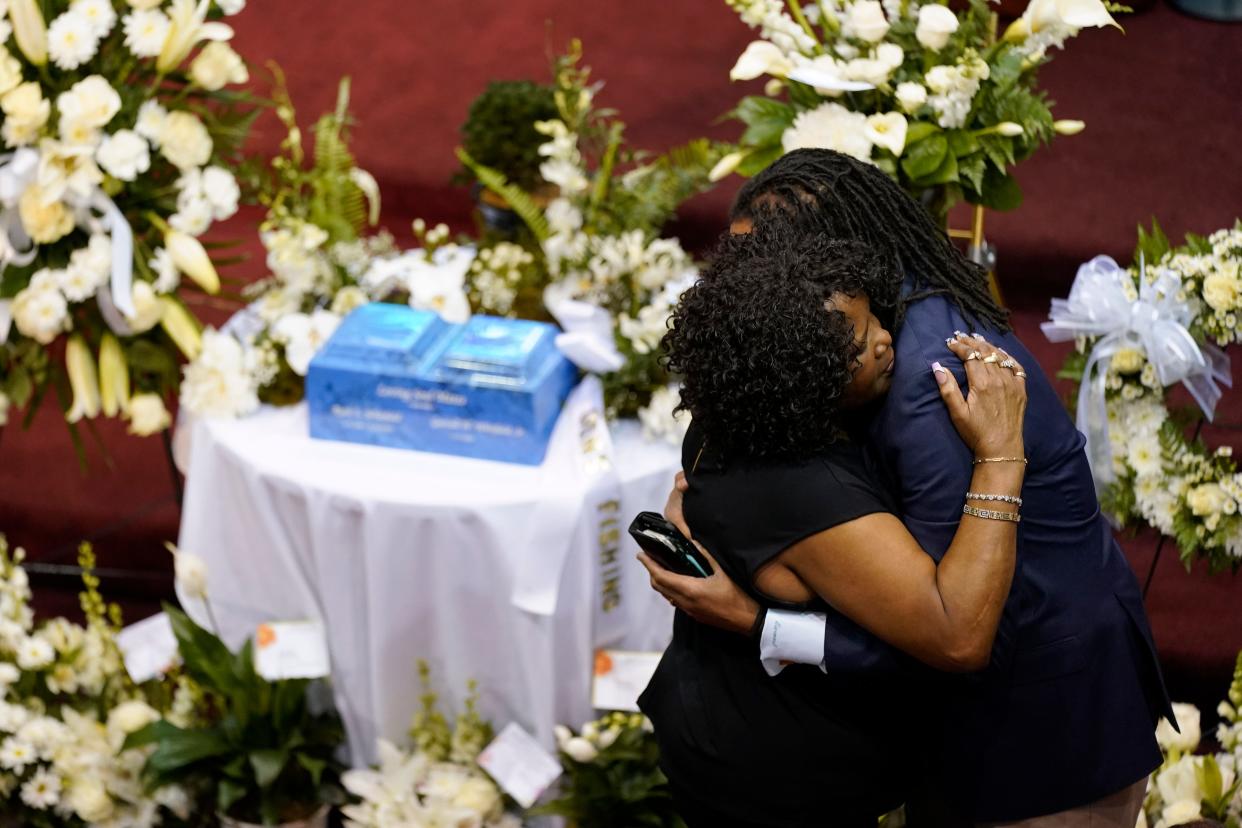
949,341
978,337
941,375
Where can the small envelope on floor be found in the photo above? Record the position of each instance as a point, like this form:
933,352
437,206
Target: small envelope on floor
291,650
148,647
519,764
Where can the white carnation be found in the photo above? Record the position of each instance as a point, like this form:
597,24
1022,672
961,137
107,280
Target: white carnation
146,31
150,123
10,72
124,155
193,215
217,65
41,313
91,101
25,113
167,277
70,41
184,140
830,126
218,384
221,190
77,282
98,14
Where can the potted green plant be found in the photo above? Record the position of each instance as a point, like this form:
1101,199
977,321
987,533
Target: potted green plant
262,755
500,133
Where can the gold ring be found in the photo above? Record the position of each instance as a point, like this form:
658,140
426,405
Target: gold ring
1021,374
973,355
991,358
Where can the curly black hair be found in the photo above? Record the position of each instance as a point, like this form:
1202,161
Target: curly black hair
822,191
763,363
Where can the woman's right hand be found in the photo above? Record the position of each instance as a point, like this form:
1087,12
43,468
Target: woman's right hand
990,416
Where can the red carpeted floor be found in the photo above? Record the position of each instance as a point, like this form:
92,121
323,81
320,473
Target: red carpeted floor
1164,124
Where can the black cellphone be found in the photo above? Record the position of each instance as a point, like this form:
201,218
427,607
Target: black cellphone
667,546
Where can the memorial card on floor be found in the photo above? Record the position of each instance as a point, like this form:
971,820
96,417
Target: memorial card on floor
521,766
620,678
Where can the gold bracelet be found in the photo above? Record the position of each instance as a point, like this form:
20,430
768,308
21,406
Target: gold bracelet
979,460
988,514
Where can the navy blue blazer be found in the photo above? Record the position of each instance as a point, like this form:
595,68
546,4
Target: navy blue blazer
1065,713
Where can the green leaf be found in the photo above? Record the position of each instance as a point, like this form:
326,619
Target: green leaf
518,200
962,142
204,654
1005,70
1153,245
946,173
267,765
925,157
315,767
228,793
178,749
970,170
1000,191
920,130
759,160
756,109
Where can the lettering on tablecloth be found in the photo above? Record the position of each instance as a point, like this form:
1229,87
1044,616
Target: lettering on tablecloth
609,546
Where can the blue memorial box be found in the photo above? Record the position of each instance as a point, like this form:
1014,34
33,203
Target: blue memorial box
393,376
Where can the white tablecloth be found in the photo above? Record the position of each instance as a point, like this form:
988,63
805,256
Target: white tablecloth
407,556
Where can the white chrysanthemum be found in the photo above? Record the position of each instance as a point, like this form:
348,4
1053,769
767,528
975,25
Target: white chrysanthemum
167,277
98,14
220,188
217,384
70,41
16,755
124,155
42,791
658,419
146,31
77,283
35,654
1144,456
150,123
184,140
830,126
303,335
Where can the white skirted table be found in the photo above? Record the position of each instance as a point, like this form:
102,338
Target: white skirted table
511,575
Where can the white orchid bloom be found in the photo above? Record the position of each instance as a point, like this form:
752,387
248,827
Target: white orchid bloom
83,379
189,27
888,130
304,335
760,58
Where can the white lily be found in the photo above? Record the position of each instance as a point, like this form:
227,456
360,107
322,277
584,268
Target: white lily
191,258
113,377
1070,15
83,379
29,30
1009,129
760,58
1068,127
181,327
190,572
725,166
189,27
888,130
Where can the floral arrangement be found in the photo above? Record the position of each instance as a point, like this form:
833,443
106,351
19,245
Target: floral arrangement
612,775
66,708
1187,787
593,257
1170,303
923,91
118,148
437,782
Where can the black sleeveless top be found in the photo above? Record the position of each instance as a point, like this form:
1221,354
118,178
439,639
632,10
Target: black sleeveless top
802,748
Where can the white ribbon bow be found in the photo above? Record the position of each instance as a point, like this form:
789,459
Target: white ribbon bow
1156,323
588,340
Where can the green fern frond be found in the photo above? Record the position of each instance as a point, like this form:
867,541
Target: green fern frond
339,205
520,202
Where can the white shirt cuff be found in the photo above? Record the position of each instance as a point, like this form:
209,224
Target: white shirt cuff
792,638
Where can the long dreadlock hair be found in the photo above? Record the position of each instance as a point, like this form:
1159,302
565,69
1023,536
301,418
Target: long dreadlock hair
822,191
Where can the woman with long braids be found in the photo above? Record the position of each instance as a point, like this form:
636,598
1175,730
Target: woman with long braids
1054,727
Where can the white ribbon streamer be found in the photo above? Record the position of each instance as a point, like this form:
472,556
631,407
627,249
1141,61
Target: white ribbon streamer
6,318
114,222
17,171
587,340
1157,323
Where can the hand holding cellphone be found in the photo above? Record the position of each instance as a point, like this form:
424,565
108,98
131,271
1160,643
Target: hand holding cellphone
668,547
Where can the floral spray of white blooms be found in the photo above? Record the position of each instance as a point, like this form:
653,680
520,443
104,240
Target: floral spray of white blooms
117,159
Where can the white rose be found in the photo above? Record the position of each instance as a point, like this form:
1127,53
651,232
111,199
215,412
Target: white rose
124,155
1203,501
184,140
890,54
936,24
147,416
10,72
867,20
911,96
1222,291
89,799
888,130
150,124
760,58
220,188
25,113
217,65
1188,721
91,101
45,221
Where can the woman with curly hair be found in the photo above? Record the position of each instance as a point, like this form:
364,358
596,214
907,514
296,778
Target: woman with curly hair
780,356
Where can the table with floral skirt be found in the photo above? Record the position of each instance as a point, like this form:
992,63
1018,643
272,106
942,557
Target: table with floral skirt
510,575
